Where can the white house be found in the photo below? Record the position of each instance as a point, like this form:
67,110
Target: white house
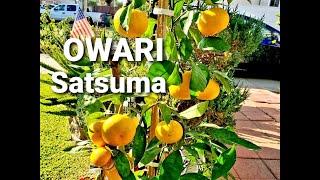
273,3
258,8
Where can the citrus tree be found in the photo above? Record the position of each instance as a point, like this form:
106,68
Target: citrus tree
159,136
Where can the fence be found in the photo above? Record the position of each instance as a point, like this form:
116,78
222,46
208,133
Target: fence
106,9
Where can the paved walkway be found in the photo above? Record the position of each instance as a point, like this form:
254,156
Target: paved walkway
267,84
259,122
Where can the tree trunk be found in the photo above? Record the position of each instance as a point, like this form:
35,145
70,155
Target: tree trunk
161,33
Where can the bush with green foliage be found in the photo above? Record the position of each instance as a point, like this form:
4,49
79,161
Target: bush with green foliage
265,55
244,35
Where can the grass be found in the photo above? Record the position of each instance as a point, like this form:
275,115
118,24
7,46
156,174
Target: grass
54,137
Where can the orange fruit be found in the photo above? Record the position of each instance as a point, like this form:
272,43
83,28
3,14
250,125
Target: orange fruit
182,91
137,26
213,21
210,92
100,156
169,133
94,133
119,129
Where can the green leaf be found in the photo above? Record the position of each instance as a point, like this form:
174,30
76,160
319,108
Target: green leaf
147,117
150,154
160,69
171,167
195,110
116,98
188,22
210,125
224,163
152,98
138,173
218,146
196,17
95,115
174,78
170,46
155,178
193,94
125,17
193,176
95,107
85,61
205,70
165,112
174,54
185,48
154,142
214,43
146,107
230,1
149,32
195,35
198,80
129,177
139,144
178,32
229,137
202,146
152,151
177,8
103,73
138,3
122,164
224,79
197,134
103,36
106,98
191,150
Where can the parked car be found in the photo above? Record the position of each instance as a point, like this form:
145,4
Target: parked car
43,7
62,11
264,63
271,35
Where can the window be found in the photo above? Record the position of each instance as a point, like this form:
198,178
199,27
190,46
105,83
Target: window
274,3
59,8
71,8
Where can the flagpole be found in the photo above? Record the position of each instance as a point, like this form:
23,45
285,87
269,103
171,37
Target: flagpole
85,5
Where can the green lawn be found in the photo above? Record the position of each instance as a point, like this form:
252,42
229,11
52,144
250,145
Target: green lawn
54,137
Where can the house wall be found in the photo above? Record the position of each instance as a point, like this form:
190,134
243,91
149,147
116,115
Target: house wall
253,2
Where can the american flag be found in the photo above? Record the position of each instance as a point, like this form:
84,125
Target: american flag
81,27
